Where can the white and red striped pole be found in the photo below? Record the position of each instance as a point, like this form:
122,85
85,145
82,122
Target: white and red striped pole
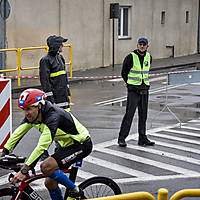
5,111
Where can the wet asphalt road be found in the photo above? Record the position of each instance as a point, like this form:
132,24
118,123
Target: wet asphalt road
97,105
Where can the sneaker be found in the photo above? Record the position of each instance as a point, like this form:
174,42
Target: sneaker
75,195
122,143
146,142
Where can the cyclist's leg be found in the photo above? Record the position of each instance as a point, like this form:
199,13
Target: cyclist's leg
54,190
63,158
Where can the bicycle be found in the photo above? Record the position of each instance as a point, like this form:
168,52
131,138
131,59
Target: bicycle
93,187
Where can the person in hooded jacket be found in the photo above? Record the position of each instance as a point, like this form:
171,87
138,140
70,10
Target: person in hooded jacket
53,77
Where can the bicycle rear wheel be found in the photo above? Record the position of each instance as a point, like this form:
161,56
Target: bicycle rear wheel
99,187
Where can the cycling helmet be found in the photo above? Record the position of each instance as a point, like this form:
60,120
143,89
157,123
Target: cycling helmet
31,97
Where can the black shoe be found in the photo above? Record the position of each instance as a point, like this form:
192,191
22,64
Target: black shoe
145,142
76,195
122,143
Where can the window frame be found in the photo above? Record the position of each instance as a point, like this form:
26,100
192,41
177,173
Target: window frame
121,22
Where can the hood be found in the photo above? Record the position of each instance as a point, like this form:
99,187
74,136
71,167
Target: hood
54,42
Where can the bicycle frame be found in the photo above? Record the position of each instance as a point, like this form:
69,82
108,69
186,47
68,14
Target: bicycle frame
24,186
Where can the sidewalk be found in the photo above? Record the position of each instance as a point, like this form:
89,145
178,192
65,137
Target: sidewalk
190,61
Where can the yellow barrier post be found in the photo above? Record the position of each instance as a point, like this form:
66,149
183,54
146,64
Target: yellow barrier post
162,194
19,65
186,193
129,196
70,60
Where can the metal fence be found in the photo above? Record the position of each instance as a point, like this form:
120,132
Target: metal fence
19,66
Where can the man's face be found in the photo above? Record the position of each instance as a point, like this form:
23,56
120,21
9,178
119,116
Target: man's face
61,48
142,46
31,113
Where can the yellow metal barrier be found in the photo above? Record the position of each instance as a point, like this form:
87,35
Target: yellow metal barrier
129,196
8,70
162,195
19,60
186,193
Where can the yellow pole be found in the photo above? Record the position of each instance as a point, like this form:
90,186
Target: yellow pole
162,194
70,60
19,64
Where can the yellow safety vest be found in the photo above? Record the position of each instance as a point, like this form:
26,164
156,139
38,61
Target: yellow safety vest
137,73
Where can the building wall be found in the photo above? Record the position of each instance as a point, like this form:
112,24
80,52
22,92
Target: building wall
87,26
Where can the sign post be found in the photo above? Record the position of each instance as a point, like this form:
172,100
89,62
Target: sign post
114,13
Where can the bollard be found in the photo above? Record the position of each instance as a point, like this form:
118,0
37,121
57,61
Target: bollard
162,194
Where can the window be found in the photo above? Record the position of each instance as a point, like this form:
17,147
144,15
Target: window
163,17
187,17
124,21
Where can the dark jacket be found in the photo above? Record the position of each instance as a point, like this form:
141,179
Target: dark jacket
56,87
56,125
126,67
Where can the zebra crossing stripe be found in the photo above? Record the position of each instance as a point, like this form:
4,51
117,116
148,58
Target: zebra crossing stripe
191,128
178,147
116,167
165,154
147,161
181,132
155,178
169,137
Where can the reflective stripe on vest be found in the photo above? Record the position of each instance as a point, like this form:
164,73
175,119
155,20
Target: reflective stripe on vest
57,73
137,73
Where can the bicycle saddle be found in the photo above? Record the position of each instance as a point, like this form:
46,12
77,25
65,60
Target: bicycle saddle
12,159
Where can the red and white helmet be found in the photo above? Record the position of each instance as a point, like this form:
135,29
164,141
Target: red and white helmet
31,97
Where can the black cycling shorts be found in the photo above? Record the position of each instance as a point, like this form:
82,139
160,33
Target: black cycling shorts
66,156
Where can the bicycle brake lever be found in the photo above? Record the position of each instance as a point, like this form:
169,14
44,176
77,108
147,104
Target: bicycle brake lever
33,171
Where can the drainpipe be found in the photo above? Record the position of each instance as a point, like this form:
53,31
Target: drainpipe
198,35
59,17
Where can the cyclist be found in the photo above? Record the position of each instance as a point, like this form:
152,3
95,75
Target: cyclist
55,124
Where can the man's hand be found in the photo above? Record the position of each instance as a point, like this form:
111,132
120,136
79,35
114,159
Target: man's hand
70,99
18,177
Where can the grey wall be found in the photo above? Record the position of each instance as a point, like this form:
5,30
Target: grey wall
87,25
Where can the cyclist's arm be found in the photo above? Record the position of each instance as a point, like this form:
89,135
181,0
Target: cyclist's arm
16,137
45,140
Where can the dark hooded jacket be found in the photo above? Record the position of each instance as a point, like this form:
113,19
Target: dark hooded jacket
53,76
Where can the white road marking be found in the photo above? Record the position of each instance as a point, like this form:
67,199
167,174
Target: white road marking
182,173
147,161
116,167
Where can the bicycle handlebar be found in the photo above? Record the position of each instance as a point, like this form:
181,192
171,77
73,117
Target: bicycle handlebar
12,162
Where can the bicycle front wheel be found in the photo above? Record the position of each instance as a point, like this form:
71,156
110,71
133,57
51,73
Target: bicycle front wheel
6,193
99,187
9,193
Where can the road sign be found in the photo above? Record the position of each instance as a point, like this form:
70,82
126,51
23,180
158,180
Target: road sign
5,9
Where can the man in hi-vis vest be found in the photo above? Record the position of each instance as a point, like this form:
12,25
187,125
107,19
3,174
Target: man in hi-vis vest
135,73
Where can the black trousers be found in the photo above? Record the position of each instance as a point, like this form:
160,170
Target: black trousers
135,99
